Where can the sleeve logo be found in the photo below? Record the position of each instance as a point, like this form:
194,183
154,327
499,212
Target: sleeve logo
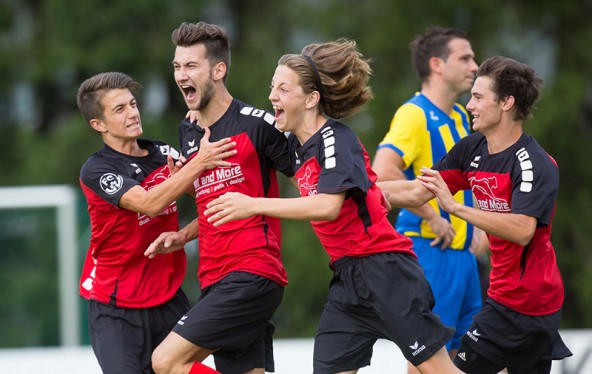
111,183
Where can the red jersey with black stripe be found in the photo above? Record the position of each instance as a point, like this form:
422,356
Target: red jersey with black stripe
332,161
252,244
523,179
115,270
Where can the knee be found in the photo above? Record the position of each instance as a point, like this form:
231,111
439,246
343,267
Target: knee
161,364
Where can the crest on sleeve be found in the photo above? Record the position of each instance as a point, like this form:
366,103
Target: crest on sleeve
111,183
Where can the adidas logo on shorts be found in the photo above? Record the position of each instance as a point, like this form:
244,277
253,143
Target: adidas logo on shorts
461,355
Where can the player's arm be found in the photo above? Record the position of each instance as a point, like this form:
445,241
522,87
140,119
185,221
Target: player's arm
172,240
233,206
155,200
388,165
517,228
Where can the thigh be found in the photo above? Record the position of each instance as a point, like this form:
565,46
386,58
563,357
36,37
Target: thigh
403,300
337,348
233,318
164,317
119,339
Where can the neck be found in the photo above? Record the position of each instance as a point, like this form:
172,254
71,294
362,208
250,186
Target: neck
127,147
440,96
215,109
311,124
503,136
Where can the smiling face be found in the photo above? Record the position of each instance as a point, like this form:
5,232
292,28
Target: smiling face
193,75
288,99
484,106
121,117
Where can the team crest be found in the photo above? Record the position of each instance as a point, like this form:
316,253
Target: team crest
111,183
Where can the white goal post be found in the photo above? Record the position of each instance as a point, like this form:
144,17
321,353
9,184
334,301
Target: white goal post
63,199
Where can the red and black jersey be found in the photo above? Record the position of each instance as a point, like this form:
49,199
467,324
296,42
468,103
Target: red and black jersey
522,179
252,244
115,269
332,161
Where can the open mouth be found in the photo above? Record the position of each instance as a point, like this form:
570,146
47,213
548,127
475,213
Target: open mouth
188,91
278,112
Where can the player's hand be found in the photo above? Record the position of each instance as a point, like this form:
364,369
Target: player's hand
212,155
175,166
443,229
166,242
480,243
228,207
192,115
433,181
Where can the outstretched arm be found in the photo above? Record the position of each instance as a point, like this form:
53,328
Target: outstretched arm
517,228
389,165
153,201
234,205
172,240
405,193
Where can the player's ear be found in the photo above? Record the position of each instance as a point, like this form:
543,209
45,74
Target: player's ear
97,125
508,103
313,99
219,71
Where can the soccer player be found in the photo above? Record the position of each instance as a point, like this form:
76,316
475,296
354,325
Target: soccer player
378,289
421,132
515,183
241,274
132,302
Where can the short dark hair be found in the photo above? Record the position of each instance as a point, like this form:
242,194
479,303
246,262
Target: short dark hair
92,90
213,37
432,43
512,78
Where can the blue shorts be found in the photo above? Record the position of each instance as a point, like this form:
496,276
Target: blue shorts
454,278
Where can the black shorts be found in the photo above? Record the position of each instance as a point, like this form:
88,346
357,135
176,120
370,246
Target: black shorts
234,317
382,296
501,338
123,338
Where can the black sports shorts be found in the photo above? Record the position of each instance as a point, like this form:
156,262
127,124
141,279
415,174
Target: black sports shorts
123,338
501,338
386,296
234,317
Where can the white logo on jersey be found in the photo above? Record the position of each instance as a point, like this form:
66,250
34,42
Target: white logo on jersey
218,178
305,185
168,150
111,183
475,162
527,173
329,143
486,187
138,170
250,111
433,116
191,143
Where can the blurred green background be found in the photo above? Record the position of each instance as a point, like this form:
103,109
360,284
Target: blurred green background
47,48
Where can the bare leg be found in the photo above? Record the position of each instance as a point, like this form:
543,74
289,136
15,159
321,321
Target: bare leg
176,355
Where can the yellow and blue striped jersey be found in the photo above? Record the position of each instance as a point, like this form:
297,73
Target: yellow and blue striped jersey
421,133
